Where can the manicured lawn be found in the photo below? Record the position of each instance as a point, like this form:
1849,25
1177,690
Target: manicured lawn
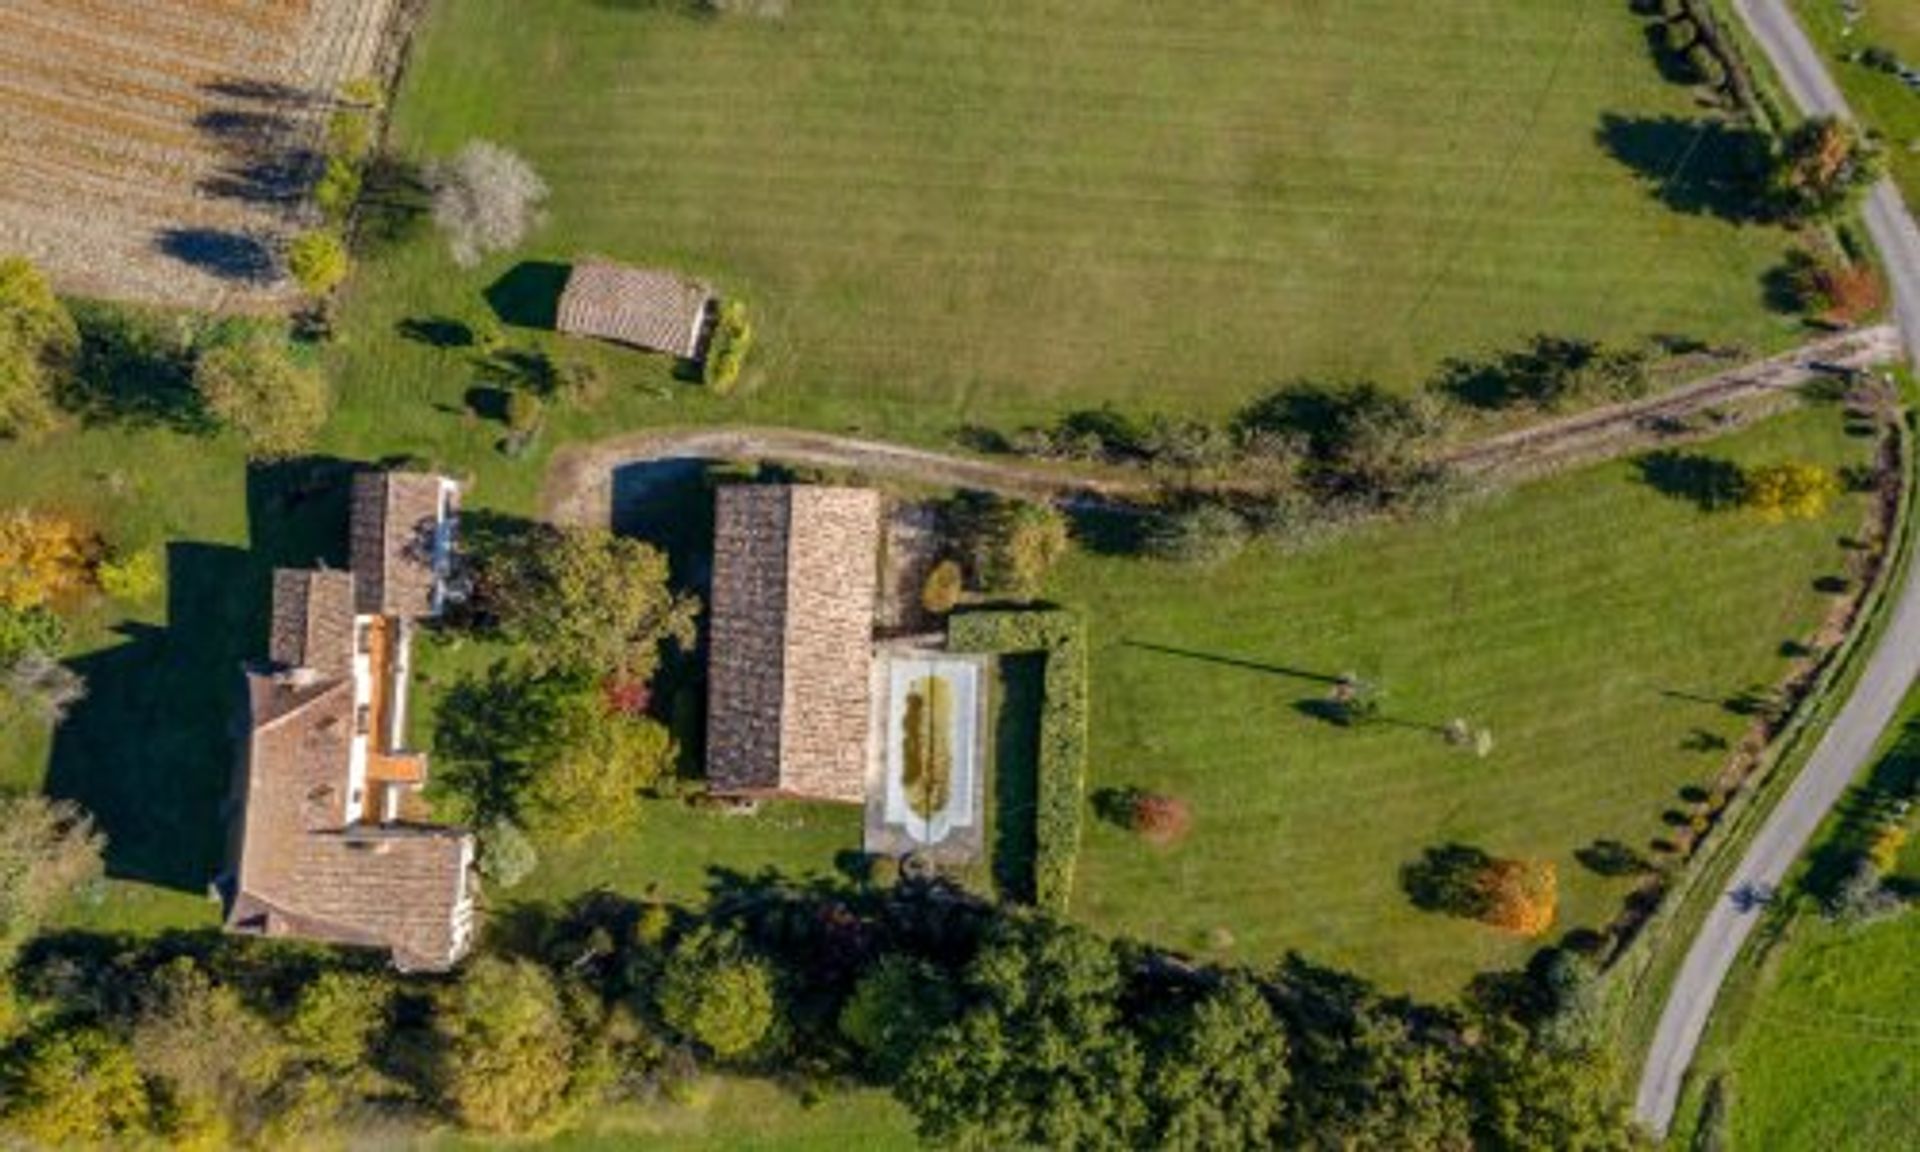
1880,99
1596,625
990,210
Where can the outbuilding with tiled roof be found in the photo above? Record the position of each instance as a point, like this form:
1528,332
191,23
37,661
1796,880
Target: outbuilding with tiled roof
644,307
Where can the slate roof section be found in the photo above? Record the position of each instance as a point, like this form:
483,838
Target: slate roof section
644,307
789,685
394,517
312,621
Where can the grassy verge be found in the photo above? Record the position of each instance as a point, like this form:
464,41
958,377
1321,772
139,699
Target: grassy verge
1643,977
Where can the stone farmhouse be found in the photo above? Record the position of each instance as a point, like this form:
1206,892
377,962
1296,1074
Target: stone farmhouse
329,839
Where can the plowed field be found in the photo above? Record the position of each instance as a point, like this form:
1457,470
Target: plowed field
160,151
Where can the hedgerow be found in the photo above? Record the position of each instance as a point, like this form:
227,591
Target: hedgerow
1061,785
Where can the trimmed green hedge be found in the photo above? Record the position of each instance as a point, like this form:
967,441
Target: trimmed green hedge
1062,769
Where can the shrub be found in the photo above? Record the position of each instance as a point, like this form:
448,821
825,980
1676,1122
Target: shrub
1884,848
1797,491
318,261
29,630
727,348
76,1087
1707,66
338,189
716,994
941,590
1061,774
1158,818
524,411
132,577
38,341
485,199
1679,35
1009,546
43,558
506,855
1822,166
41,686
1204,535
894,1010
253,387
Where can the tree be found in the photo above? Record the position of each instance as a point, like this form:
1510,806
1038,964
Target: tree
485,199
505,1051
37,684
545,749
1822,166
716,994
254,387
1789,491
895,1008
585,600
1008,546
337,1017
197,1040
1826,284
595,776
42,559
76,1086
49,850
1204,535
133,576
38,341
1040,1055
1217,1072
727,348
318,261
1518,896
1525,1095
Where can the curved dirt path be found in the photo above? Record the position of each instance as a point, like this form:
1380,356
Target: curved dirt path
1850,741
579,485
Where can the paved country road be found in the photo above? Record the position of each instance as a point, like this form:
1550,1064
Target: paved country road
1855,731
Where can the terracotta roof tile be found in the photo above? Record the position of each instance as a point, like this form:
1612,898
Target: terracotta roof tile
391,539
638,306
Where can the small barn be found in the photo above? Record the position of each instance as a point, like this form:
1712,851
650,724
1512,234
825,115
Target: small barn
790,690
642,307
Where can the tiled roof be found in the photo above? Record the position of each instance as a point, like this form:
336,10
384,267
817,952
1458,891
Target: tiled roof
639,306
302,871
391,539
312,621
794,577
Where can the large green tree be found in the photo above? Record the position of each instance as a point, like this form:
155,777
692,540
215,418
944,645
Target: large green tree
717,993
75,1087
209,1054
504,1046
37,341
1040,1055
1217,1072
49,851
587,601
254,387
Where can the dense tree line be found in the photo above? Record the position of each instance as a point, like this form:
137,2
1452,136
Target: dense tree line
995,1030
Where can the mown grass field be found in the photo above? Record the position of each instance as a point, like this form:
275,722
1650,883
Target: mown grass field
991,211
1602,630
1881,100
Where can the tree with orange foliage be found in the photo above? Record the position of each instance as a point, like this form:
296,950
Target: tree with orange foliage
1827,285
42,557
1518,896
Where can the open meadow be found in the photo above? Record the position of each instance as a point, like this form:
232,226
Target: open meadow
944,213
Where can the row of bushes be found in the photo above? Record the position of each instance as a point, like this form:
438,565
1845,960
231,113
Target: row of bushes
1694,45
1061,770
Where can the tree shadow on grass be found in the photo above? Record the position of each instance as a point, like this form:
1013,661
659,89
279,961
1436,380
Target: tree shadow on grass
131,369
1698,167
435,331
528,296
1446,879
150,750
1707,483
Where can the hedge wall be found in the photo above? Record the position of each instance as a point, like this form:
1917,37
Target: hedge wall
1062,768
